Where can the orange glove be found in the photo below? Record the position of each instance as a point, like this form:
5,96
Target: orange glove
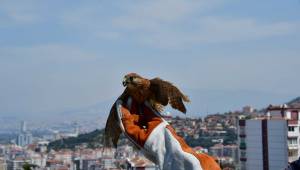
158,140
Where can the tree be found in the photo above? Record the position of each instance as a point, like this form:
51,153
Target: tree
27,166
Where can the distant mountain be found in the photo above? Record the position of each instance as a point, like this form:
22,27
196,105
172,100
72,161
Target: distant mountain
203,102
94,113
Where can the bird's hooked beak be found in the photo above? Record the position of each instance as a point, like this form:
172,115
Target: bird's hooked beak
125,81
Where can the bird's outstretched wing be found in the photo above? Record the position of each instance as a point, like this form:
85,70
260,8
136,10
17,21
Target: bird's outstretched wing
165,92
112,129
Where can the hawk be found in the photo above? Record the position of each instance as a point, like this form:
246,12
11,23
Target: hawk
157,92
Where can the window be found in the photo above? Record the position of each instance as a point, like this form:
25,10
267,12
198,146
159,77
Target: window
242,130
243,145
243,154
291,128
242,140
294,115
293,152
293,141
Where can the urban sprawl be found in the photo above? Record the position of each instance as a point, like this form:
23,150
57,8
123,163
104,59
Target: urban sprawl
245,139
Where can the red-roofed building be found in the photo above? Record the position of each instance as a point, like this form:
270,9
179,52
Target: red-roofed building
140,163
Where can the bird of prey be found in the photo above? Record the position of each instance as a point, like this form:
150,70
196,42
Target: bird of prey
157,92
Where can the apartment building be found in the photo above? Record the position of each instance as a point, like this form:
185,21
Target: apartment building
263,144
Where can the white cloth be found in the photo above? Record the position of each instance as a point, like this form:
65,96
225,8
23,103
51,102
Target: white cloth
162,147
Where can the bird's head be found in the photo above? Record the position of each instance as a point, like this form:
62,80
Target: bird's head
133,80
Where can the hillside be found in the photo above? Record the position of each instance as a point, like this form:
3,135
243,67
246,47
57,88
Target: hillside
92,139
294,102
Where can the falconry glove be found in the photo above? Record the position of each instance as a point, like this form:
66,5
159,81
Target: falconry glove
146,129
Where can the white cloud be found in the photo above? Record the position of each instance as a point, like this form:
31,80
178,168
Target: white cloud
162,24
152,15
20,12
217,30
173,23
220,29
141,17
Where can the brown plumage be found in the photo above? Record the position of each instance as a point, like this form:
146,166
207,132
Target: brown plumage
157,92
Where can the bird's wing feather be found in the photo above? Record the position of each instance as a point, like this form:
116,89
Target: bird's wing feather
165,92
112,129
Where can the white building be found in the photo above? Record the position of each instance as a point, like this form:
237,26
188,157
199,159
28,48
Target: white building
221,151
263,144
24,137
248,109
138,163
3,164
23,127
16,164
291,114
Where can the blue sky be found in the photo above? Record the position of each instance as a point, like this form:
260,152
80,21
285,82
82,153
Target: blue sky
58,55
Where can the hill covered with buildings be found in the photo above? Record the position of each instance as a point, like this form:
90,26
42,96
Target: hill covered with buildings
204,132
216,134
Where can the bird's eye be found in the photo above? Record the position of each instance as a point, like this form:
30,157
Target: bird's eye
131,78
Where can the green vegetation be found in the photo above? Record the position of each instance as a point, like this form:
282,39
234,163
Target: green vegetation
230,137
92,139
28,166
205,140
201,141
